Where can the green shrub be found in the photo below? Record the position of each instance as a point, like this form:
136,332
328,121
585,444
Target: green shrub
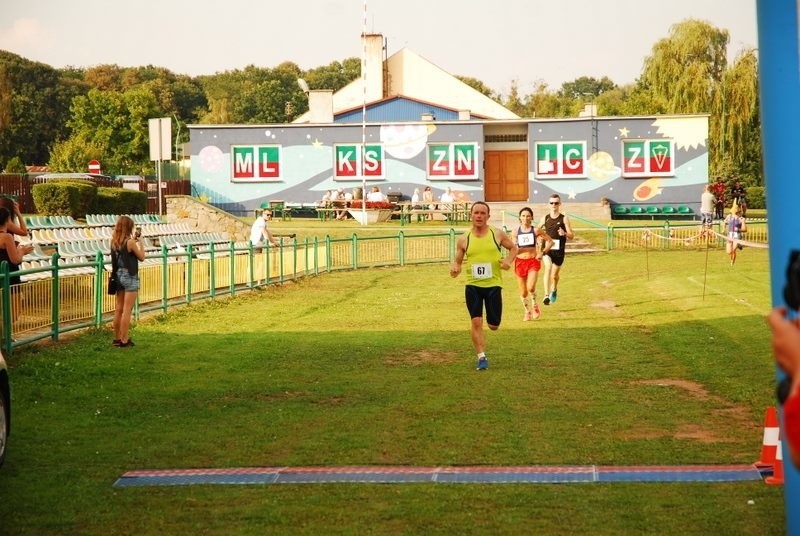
106,200
131,201
756,197
53,198
72,197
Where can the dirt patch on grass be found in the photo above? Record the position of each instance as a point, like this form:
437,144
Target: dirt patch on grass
424,357
605,304
725,419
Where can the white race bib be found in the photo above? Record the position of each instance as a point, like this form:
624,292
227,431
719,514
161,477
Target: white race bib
526,240
556,245
482,270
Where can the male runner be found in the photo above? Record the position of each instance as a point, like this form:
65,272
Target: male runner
481,248
558,227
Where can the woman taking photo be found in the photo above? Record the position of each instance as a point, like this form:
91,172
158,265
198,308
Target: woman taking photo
126,252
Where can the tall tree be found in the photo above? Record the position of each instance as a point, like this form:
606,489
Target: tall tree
738,121
688,73
686,68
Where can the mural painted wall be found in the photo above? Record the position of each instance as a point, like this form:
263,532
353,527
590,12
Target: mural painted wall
655,160
649,161
240,167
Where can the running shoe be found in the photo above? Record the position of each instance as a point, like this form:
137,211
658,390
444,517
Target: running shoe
527,316
536,312
553,297
546,300
483,363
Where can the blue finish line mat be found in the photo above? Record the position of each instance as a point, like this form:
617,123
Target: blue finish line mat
469,475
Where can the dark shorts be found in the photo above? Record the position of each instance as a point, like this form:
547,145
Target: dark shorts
556,256
491,297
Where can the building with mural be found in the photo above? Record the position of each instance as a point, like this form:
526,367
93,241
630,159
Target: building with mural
419,126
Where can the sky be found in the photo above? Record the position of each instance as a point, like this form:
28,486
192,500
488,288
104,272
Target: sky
495,41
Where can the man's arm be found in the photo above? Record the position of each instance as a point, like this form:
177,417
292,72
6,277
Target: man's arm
568,228
461,250
271,239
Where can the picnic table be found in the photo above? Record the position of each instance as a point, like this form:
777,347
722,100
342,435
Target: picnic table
451,212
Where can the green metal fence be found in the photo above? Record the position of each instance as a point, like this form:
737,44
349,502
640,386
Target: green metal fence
57,298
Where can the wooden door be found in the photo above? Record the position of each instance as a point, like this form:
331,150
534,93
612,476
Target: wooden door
506,176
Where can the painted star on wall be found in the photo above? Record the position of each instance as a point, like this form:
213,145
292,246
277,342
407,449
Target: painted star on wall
623,132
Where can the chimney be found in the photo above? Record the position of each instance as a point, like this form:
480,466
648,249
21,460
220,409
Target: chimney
320,106
464,115
373,54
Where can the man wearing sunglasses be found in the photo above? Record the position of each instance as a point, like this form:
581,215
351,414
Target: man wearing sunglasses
558,227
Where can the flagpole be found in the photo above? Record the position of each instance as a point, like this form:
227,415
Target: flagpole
363,115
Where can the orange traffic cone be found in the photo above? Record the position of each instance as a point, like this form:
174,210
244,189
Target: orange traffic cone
769,444
777,470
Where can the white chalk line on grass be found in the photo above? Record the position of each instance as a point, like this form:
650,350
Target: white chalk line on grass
735,299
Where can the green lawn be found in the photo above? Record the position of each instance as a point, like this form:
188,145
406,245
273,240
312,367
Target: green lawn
646,359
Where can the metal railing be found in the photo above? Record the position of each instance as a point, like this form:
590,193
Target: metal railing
58,298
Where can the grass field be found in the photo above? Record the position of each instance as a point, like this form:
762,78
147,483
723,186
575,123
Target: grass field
654,358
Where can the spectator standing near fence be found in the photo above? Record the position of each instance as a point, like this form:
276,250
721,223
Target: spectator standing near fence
558,227
707,202
12,253
481,247
739,196
16,223
126,253
260,234
719,196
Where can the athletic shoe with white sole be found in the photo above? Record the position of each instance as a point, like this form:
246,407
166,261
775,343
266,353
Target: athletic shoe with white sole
483,363
527,316
536,312
553,296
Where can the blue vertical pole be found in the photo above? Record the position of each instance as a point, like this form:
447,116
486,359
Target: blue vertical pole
779,81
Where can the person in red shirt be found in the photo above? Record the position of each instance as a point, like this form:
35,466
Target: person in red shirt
719,195
786,347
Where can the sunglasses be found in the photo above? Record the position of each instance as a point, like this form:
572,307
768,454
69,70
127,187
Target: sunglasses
555,203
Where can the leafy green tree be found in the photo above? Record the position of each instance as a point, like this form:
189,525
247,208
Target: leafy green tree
586,86
687,67
688,73
117,122
73,155
34,107
736,122
15,165
333,76
478,86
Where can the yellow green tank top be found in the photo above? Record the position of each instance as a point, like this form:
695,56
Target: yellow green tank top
483,260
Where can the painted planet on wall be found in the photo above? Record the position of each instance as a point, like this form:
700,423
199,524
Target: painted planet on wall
405,141
601,167
210,158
